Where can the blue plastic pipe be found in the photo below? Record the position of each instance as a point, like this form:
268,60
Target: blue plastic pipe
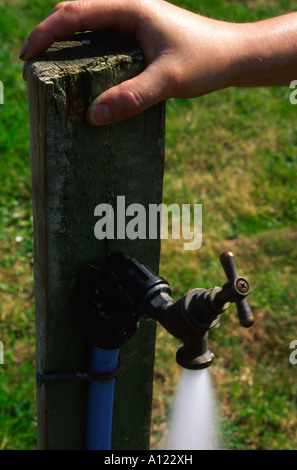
100,400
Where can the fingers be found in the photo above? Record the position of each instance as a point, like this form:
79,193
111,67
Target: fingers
127,99
130,97
59,23
80,15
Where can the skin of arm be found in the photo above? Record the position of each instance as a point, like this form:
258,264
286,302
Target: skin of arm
187,55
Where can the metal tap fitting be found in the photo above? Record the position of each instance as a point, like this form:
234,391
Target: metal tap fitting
114,299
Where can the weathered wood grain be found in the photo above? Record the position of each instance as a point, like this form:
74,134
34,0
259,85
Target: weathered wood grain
74,168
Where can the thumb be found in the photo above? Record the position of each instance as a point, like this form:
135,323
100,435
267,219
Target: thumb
125,100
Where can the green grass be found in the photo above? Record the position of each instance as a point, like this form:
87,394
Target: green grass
17,316
235,153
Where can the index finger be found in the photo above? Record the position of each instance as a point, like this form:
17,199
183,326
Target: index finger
80,15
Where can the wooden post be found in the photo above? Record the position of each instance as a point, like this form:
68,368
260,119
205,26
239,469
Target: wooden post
74,168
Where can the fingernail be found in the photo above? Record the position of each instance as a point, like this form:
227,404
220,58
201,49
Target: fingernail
24,49
99,114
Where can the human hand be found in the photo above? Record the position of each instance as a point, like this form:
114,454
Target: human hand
187,55
183,54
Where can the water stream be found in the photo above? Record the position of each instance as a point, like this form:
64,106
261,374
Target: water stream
194,423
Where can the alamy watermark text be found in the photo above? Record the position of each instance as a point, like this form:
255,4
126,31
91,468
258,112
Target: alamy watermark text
1,353
1,93
293,94
293,355
138,222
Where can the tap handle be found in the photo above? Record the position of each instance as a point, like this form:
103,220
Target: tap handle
244,311
229,264
245,314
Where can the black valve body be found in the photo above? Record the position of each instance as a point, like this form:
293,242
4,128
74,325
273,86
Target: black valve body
108,300
112,300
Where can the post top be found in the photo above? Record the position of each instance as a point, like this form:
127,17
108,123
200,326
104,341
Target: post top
90,51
